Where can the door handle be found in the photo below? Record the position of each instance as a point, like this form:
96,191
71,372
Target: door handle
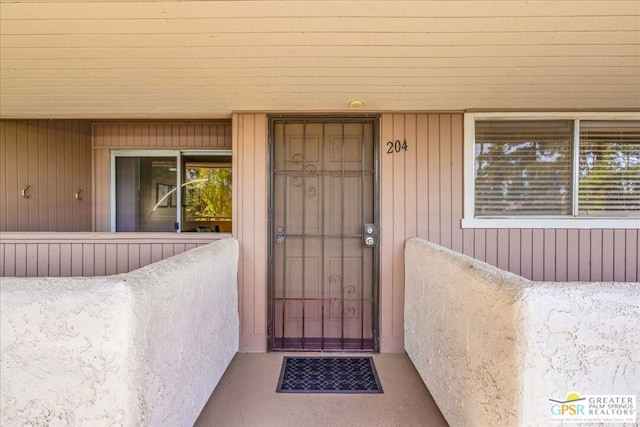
280,234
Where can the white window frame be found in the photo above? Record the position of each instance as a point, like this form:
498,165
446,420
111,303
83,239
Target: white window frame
177,154
548,221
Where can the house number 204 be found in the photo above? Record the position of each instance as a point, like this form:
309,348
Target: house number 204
396,146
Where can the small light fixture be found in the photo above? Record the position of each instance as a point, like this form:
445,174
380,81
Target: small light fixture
356,103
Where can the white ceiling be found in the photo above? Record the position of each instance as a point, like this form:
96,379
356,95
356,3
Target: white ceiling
209,58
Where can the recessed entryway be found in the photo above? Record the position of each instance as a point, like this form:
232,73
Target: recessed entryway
246,396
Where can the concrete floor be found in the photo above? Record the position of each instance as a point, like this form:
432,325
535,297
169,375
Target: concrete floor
246,396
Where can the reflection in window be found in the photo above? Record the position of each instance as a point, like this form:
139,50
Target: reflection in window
143,194
207,193
609,170
148,190
538,168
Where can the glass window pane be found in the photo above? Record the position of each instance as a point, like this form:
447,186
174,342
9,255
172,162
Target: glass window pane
146,194
609,169
523,167
207,194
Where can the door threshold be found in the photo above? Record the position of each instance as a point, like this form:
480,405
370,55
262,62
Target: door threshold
323,344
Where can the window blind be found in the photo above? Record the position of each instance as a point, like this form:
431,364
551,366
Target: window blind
609,168
523,167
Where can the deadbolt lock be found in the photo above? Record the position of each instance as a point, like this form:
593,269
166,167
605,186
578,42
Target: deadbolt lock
369,235
279,234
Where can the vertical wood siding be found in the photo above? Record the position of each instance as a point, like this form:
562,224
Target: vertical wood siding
422,195
54,157
79,254
250,178
430,200
146,135
162,135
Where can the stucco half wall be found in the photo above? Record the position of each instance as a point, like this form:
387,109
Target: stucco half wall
493,347
144,348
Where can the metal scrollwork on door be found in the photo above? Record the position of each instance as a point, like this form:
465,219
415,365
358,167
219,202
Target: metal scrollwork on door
350,306
299,180
350,311
349,289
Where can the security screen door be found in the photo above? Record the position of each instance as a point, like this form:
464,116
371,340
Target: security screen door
323,228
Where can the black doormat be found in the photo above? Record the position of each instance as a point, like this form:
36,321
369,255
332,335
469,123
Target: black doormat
328,375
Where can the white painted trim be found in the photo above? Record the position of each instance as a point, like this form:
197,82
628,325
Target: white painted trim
179,175
556,116
552,223
145,153
112,193
209,152
469,172
469,221
575,159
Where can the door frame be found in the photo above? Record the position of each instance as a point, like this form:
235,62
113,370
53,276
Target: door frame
341,118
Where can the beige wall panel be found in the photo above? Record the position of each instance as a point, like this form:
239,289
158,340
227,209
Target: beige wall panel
632,261
33,172
22,170
425,51
88,254
51,65
286,8
306,22
42,153
176,77
53,157
122,58
7,176
166,134
102,189
250,155
426,201
164,44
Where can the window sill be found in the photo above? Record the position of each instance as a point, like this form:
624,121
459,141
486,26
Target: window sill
537,222
108,237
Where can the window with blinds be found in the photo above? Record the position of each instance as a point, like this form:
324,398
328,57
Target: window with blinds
523,167
552,170
609,168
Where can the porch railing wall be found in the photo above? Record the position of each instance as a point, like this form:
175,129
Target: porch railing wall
493,347
90,254
145,348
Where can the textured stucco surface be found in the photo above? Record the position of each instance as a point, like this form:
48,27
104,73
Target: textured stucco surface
582,337
493,347
142,348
